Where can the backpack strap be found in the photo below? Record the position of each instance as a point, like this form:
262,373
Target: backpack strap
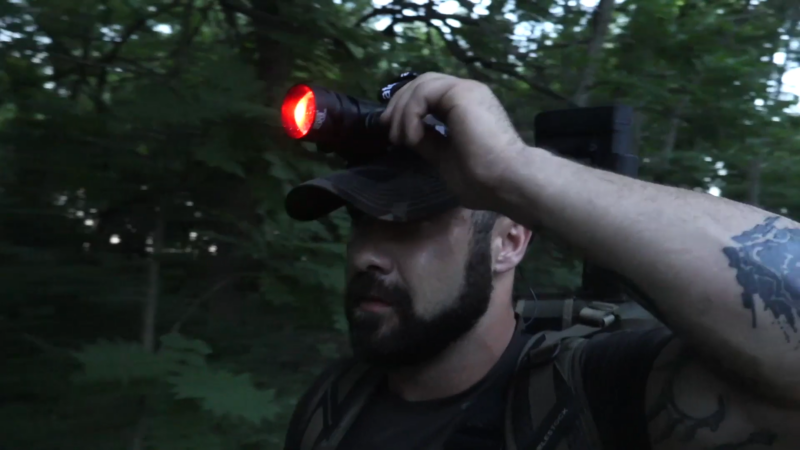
565,313
546,407
586,430
331,405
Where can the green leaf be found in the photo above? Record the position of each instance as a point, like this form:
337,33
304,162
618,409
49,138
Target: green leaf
107,361
225,394
331,278
183,431
182,351
357,51
179,343
215,154
275,291
279,168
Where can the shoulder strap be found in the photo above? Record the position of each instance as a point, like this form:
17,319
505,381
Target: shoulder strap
563,314
586,430
543,407
330,406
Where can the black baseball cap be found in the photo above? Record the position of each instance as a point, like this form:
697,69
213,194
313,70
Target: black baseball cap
397,186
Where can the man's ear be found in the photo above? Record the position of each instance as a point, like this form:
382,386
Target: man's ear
511,242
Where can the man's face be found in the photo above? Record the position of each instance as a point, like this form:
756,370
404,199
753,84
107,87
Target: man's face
414,288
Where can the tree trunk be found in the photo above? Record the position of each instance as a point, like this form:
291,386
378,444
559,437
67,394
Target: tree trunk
149,310
602,19
754,181
757,162
274,63
672,133
153,287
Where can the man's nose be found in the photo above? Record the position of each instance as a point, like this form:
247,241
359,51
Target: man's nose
369,258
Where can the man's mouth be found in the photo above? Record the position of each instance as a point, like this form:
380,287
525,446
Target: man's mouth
375,304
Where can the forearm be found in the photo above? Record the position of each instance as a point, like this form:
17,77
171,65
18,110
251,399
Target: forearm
655,235
679,247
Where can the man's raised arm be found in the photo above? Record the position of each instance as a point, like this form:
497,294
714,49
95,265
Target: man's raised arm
724,276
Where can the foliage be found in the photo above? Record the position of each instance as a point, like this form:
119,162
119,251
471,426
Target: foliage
157,296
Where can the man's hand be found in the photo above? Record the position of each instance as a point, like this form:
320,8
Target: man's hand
482,145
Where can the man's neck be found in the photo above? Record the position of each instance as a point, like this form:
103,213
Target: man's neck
463,364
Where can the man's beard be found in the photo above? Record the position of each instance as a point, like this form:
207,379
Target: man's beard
412,340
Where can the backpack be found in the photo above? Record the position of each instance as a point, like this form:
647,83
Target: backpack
546,408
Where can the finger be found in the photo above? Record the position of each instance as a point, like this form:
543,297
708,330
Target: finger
419,105
400,119
396,104
390,112
415,110
398,133
386,115
392,106
400,100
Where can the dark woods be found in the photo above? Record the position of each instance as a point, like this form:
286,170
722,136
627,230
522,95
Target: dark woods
155,295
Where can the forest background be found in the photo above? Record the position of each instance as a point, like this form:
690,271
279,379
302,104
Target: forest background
153,293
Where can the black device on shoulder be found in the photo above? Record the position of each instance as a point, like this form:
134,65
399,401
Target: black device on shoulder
600,137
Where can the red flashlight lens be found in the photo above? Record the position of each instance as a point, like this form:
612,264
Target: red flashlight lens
298,111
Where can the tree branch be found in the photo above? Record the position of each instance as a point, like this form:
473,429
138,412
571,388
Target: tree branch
602,19
133,28
188,34
193,307
460,54
254,14
429,14
230,19
509,71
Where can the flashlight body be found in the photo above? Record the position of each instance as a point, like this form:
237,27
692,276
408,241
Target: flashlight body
342,124
340,117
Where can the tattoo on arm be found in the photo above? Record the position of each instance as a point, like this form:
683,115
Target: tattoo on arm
675,424
767,263
679,424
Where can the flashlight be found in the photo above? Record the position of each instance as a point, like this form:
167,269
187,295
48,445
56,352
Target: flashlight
315,114
342,124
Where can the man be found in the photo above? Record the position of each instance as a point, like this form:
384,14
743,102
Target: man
430,281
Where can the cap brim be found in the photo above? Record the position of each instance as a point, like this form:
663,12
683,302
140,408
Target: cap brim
397,187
